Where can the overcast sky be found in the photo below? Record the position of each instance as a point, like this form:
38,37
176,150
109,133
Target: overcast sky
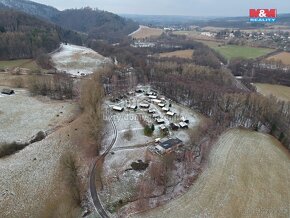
174,7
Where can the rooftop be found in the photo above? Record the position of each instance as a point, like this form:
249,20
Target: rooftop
170,143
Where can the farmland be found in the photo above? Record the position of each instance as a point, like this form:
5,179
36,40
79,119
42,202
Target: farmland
280,92
146,32
284,57
187,54
246,176
234,51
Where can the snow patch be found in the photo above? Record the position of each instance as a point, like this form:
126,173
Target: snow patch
78,60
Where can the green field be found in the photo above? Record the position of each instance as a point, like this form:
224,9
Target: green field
23,63
234,51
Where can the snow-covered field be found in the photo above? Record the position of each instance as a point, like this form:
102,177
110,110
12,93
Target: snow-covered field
32,182
248,175
78,60
22,116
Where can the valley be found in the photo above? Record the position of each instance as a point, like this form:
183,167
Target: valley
121,114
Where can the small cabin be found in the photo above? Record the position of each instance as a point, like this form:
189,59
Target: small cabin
142,105
174,126
170,113
165,109
160,121
151,111
117,108
183,125
156,101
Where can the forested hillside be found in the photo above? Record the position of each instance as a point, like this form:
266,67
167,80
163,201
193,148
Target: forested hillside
98,24
30,7
25,36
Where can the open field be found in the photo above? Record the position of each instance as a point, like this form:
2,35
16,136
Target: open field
248,175
22,63
280,92
284,57
78,60
187,54
33,181
146,32
234,51
21,110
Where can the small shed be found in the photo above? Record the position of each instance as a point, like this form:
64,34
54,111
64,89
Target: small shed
8,91
174,126
117,108
183,125
152,96
165,109
160,121
170,113
151,111
142,105
156,101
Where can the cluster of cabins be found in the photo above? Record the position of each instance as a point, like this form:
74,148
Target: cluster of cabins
166,109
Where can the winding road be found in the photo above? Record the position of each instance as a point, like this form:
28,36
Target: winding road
92,180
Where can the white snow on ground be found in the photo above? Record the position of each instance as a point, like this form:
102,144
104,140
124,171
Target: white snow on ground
22,116
31,179
78,60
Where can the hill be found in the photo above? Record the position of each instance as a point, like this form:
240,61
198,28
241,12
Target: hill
24,36
247,176
98,24
30,7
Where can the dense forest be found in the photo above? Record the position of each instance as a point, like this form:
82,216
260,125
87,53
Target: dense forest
29,7
98,24
25,36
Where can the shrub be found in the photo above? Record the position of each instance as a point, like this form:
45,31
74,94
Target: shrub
11,148
148,131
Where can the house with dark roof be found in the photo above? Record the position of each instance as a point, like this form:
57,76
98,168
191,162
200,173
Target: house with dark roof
168,146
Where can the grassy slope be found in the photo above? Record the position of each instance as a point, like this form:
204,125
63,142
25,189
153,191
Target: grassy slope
180,54
147,32
248,175
233,51
23,63
283,56
281,92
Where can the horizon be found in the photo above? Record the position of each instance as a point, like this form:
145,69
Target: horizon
194,8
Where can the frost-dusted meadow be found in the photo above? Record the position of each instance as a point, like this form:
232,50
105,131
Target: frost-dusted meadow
77,60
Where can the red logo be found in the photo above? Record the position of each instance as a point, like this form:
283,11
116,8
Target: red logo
263,13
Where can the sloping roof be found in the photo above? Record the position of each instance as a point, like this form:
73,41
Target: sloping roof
170,143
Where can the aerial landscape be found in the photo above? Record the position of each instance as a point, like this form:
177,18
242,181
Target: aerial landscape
144,109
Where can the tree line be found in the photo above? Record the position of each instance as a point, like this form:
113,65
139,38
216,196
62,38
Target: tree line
214,94
25,36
